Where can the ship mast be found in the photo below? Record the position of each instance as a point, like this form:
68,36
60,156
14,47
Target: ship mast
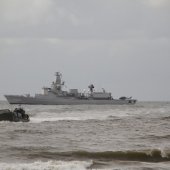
58,78
57,85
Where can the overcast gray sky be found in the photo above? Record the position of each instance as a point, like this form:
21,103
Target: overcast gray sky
121,45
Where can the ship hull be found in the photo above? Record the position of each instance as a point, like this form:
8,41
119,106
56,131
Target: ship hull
16,99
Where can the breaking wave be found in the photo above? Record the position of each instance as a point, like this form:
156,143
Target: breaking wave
53,117
76,115
50,165
144,156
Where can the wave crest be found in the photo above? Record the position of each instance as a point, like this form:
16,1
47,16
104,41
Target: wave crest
145,156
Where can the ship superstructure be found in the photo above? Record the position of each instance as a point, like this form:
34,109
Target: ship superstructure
55,95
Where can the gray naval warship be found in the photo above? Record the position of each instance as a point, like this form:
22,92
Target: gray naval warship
55,95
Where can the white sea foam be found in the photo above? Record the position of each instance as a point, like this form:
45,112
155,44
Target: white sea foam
50,165
82,165
76,115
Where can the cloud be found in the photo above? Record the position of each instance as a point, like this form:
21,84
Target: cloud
112,41
24,11
95,19
156,3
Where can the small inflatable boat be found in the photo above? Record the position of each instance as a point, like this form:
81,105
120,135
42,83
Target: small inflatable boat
18,115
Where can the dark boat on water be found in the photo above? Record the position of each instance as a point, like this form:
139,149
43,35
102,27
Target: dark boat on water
18,115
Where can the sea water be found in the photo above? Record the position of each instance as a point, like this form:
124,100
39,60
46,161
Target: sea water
111,137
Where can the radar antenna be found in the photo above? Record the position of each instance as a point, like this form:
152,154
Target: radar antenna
91,87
